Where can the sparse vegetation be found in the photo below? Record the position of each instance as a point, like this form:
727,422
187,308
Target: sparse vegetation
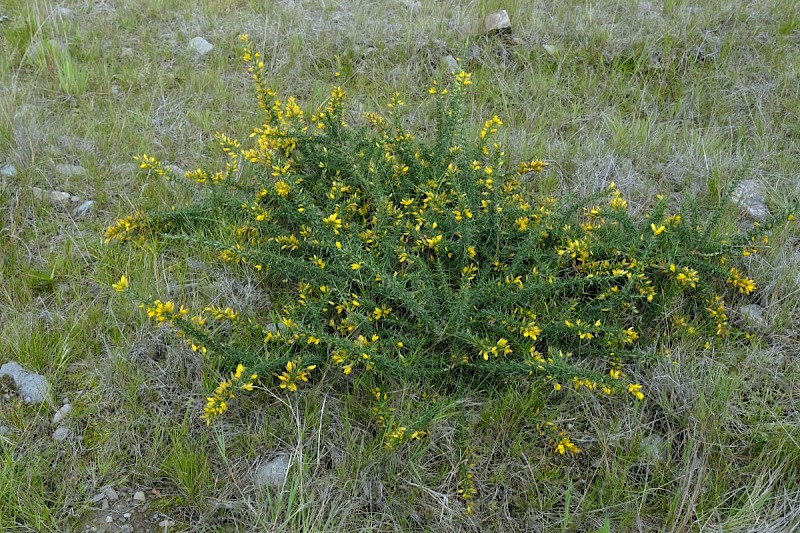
668,98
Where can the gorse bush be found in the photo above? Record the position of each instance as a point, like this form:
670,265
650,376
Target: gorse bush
434,260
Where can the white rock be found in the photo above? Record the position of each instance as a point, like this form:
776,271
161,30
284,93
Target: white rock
71,170
139,496
31,386
753,315
273,473
104,505
61,434
98,497
550,49
451,63
111,494
4,430
166,523
57,197
749,196
7,170
83,208
109,519
498,22
200,46
126,516
62,413
63,11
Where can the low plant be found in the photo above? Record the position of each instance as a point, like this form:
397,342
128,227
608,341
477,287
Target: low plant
399,258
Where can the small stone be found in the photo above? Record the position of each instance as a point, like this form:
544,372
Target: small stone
7,170
111,494
166,523
84,208
498,22
56,197
474,52
176,171
753,315
71,170
126,528
63,11
61,434
104,505
62,413
31,386
200,46
98,497
109,519
550,49
274,472
126,516
139,496
4,430
749,196
451,63
516,41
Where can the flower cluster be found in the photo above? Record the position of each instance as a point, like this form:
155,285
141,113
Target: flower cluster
217,403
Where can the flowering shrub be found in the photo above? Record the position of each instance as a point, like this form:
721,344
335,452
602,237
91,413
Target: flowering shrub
435,259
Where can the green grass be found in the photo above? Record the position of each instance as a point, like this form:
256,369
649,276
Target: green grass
662,97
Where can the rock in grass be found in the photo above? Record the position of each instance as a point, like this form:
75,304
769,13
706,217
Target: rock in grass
200,46
139,496
62,413
498,22
753,315
273,473
749,196
71,170
61,434
7,170
83,208
31,386
111,494
451,63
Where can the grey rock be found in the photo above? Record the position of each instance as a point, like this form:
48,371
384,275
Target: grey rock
753,315
498,22
57,197
98,497
7,170
451,63
550,49
116,91
31,386
109,519
63,11
62,413
84,208
111,494
272,327
71,170
474,53
139,496
176,171
166,523
61,434
126,528
104,505
200,46
4,430
749,196
126,516
274,472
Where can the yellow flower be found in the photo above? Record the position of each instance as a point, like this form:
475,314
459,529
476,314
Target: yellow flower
121,285
636,391
658,230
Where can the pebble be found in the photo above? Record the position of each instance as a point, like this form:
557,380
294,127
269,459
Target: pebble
8,170
139,496
104,505
200,46
274,472
550,49
166,523
126,516
71,170
109,519
111,494
31,386
749,196
498,22
98,497
62,413
83,208
61,434
451,63
753,315
57,197
126,528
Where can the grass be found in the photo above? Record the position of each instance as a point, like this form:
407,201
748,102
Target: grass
663,97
